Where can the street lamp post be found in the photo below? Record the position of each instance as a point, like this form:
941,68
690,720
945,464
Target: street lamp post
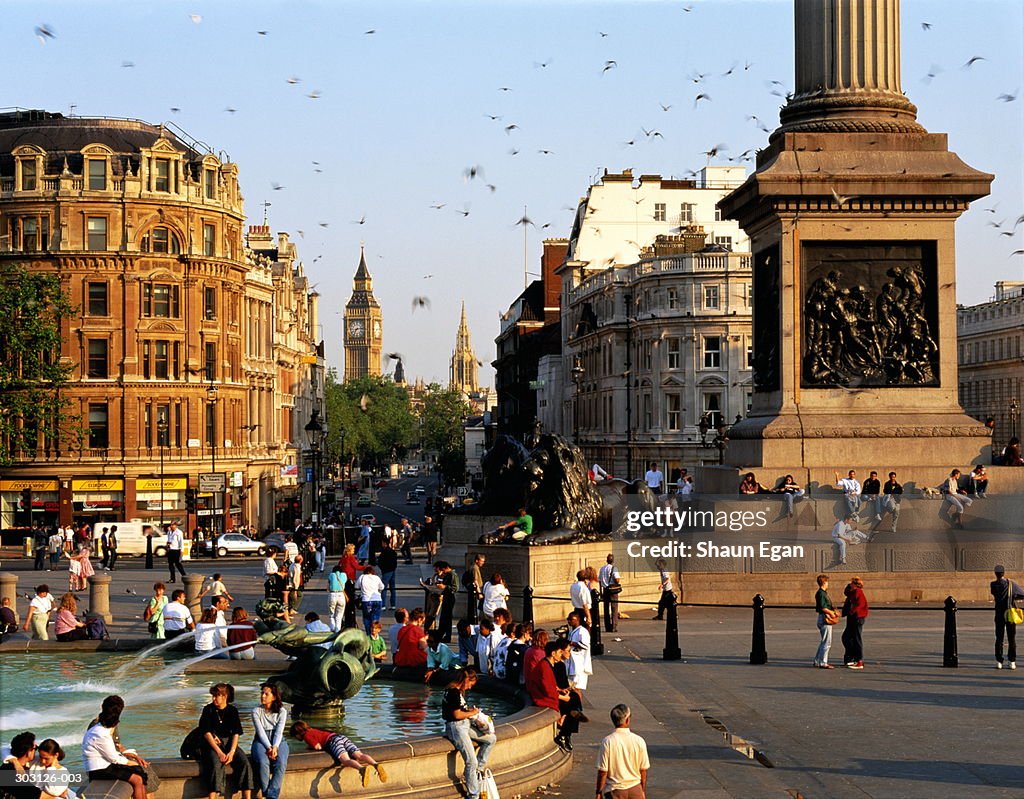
314,435
161,440
720,440
1014,416
578,372
212,397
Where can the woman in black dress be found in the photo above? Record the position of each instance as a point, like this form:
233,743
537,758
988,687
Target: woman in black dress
221,728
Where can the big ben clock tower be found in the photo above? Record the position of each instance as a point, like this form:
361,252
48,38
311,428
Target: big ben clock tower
364,333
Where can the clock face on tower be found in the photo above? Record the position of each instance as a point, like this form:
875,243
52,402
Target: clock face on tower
376,329
356,328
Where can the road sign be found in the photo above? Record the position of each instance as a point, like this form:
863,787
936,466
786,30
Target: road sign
213,481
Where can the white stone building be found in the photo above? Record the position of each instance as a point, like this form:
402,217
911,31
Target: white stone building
656,319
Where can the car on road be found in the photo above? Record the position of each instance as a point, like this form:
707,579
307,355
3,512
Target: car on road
274,541
412,498
420,490
232,544
365,500
368,518
381,483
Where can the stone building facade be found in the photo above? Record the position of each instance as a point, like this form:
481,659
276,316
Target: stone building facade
656,323
143,226
990,354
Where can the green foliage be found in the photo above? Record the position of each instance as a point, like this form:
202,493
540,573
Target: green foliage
442,416
372,414
32,305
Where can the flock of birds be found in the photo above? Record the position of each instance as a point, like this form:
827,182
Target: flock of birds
700,84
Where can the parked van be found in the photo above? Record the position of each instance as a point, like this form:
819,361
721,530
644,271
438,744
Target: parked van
131,538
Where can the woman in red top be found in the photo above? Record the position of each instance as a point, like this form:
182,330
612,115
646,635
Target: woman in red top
535,654
412,642
856,611
350,566
241,632
543,689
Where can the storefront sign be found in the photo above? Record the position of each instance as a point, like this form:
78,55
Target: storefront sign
235,479
35,485
153,484
290,470
98,485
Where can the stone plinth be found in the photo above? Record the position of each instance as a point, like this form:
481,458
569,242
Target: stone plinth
9,590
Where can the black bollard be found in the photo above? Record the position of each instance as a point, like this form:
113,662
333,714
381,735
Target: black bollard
671,650
758,652
149,550
596,647
950,659
528,604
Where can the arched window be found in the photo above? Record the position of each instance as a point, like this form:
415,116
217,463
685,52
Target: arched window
161,239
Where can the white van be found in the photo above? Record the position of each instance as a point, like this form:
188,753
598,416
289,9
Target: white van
131,537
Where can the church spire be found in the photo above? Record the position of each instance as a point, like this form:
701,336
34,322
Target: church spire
362,280
463,374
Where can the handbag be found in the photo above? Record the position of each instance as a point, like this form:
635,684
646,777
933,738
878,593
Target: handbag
613,589
1013,614
488,787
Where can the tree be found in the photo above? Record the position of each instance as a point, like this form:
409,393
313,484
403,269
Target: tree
442,417
369,419
32,374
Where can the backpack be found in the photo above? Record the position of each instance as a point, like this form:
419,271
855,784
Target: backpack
96,627
514,661
192,746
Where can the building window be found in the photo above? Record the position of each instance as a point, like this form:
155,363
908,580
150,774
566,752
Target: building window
686,212
163,412
712,352
711,298
718,214
210,184
749,400
160,299
209,240
648,346
713,407
177,425
211,422
97,174
648,413
96,232
724,241
750,354
209,302
673,411
674,353
210,351
659,212
161,175
29,175
162,240
147,425
97,365
673,299
31,233
99,434
162,359
98,305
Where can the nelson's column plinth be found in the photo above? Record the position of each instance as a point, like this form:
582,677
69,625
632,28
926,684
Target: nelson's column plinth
850,214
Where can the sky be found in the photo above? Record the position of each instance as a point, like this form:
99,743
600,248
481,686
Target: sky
372,112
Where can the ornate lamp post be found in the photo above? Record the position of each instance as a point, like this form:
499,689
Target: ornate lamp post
720,440
161,440
578,373
212,397
314,435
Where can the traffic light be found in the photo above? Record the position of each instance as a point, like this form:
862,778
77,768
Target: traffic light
191,495
26,499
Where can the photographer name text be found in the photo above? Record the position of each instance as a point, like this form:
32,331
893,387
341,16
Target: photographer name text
709,549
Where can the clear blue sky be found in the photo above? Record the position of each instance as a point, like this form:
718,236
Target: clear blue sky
401,113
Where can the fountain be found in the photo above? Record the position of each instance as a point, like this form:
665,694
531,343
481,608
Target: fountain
398,723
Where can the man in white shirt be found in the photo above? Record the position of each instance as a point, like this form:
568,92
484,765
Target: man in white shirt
221,604
579,667
177,616
851,491
580,595
269,565
291,549
55,545
654,478
843,534
487,641
609,578
175,541
622,761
